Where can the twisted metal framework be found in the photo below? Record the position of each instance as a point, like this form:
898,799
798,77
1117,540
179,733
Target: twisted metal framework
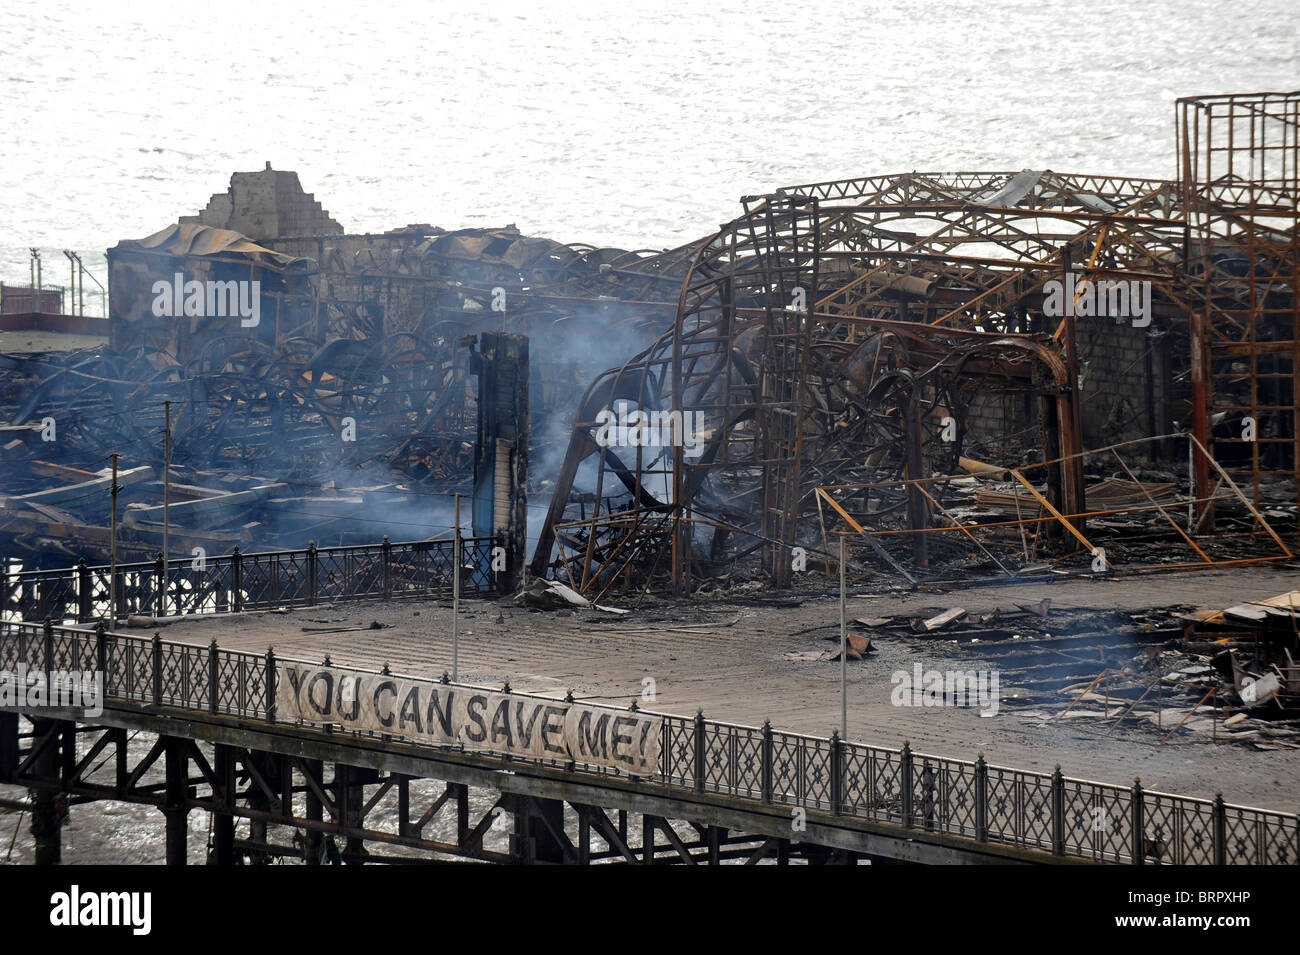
835,333
974,249
1238,165
832,327
1008,531
383,359
445,286
242,405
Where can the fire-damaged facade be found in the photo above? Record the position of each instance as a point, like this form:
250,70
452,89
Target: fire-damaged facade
185,286
969,374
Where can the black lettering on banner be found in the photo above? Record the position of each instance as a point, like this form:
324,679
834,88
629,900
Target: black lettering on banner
433,713
442,714
593,745
525,733
339,695
501,724
295,676
553,730
328,678
622,738
410,710
475,713
389,687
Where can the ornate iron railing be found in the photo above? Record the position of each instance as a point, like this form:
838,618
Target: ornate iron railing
1047,812
236,582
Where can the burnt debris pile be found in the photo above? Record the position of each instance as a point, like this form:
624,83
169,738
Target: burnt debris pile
335,398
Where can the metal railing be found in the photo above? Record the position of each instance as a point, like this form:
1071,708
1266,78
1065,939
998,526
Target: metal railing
1047,812
237,582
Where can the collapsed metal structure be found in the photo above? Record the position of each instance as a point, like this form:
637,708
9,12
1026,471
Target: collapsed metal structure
866,333
378,333
839,328
1240,182
344,413
816,337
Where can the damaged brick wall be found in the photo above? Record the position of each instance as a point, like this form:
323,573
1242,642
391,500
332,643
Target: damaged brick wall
1128,393
265,205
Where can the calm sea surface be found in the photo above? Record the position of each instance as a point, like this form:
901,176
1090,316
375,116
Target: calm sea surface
596,122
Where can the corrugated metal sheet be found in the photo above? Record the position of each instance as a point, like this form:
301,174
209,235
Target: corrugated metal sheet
189,239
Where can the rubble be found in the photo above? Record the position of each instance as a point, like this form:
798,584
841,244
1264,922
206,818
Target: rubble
942,620
553,595
890,358
1155,674
1255,647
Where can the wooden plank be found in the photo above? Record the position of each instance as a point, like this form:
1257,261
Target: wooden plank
1247,612
71,492
945,618
207,507
62,471
192,492
22,522
53,513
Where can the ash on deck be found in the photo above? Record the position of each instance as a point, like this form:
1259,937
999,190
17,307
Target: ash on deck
728,658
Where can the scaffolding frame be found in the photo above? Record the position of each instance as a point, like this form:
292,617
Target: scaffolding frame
1239,171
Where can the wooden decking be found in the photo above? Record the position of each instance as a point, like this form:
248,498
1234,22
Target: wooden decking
728,659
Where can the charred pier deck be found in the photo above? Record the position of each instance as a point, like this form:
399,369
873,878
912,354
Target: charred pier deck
317,748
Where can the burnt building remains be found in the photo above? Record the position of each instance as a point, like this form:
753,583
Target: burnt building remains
969,374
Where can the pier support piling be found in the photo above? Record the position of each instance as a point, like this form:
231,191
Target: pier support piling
314,769
538,835
223,823
8,746
176,752
351,794
47,818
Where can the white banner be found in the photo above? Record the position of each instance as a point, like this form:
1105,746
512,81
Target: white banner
619,738
425,711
